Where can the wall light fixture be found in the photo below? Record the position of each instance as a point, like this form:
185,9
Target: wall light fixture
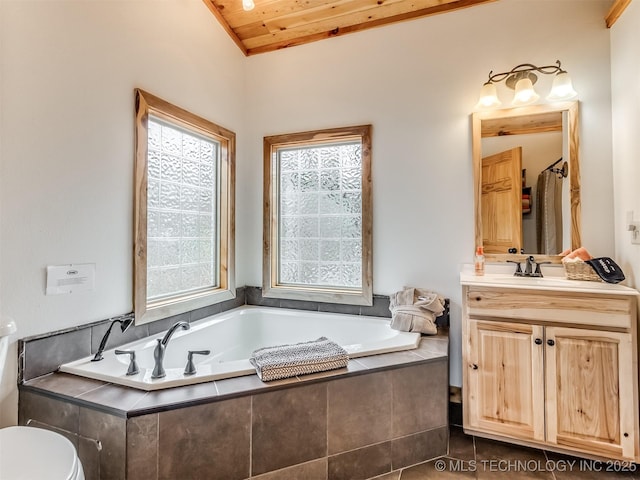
521,79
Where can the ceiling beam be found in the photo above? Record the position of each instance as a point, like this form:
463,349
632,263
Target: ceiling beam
615,11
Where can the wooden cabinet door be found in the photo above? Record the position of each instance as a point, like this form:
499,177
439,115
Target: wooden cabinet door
506,379
588,406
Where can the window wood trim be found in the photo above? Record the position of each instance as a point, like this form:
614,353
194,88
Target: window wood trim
270,287
145,104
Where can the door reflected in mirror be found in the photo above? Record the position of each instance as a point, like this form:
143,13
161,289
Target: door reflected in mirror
527,187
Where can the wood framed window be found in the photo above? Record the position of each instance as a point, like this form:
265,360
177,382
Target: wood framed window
318,216
184,210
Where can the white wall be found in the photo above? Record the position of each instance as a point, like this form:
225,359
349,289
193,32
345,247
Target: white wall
417,83
625,87
68,71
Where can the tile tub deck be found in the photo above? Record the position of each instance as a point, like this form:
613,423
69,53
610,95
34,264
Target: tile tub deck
378,415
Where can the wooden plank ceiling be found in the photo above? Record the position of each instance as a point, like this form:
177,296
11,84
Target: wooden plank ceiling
276,24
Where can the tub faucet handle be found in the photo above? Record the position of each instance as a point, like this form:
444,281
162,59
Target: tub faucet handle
133,366
190,369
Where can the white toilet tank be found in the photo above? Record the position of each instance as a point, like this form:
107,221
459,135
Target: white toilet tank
7,327
28,453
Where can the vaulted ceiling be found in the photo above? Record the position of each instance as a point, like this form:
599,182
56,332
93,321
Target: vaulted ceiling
276,24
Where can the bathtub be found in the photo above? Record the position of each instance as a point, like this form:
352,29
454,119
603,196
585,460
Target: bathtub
232,336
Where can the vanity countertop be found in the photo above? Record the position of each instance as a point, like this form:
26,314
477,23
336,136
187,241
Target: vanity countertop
554,280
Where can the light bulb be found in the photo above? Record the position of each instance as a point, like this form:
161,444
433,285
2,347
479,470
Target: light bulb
562,89
525,94
248,5
488,96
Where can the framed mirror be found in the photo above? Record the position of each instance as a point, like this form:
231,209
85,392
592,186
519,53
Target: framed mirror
527,181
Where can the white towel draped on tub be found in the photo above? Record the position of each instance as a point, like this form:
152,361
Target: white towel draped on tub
284,361
415,310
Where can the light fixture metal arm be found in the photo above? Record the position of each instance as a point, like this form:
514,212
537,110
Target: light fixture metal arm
524,70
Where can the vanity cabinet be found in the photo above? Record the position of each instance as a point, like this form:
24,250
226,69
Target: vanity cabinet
552,368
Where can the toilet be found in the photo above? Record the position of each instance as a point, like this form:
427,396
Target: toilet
28,453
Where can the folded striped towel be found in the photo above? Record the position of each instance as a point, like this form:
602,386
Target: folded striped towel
283,361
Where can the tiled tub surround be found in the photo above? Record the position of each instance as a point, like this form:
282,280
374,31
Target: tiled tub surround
380,414
42,354
227,340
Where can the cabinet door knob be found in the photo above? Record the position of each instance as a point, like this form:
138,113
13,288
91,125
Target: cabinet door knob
538,341
474,366
550,342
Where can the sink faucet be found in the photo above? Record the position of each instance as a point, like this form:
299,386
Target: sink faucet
528,269
158,352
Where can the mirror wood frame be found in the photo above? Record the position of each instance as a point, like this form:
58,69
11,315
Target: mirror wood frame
521,120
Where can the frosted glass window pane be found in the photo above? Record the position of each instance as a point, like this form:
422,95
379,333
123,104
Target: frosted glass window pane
309,273
351,274
309,159
289,272
190,147
351,250
181,211
169,252
154,163
169,224
207,175
330,203
309,249
289,204
191,172
169,196
154,131
308,227
171,140
289,250
190,199
171,168
289,182
189,225
351,227
205,225
206,200
330,226
330,274
289,227
352,202
330,179
330,250
189,250
153,193
351,179
289,161
208,152
319,209
308,203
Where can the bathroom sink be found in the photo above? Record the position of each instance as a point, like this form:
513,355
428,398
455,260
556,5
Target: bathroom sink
552,282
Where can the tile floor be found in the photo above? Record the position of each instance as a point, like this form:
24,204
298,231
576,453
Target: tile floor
478,458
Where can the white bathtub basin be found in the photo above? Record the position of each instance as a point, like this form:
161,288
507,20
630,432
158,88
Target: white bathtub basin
232,336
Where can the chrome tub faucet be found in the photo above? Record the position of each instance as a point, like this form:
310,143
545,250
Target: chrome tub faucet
161,346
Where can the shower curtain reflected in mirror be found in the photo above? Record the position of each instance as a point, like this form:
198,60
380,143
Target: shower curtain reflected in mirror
549,216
